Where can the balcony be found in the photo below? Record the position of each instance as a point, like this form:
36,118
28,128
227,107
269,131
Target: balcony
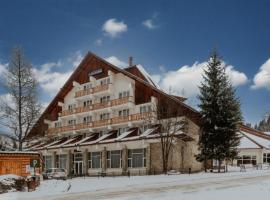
121,119
93,90
96,106
100,123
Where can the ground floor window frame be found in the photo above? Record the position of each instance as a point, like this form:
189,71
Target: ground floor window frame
95,160
47,162
246,159
137,158
114,159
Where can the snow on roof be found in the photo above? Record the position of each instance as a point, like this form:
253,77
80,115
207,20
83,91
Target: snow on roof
246,143
99,139
147,76
82,140
20,152
50,144
62,144
261,141
123,135
147,132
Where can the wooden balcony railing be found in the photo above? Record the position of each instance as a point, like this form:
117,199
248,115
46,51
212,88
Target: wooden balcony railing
100,105
96,106
95,124
100,88
121,119
101,123
83,109
141,116
93,90
119,101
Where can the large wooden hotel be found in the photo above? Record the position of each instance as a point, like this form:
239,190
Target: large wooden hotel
103,120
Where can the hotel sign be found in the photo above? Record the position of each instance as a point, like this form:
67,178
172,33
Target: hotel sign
95,72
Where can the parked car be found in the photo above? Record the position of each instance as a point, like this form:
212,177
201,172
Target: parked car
55,173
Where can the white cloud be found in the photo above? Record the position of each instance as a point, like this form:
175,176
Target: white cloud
117,62
3,68
114,28
76,59
49,80
8,99
98,42
149,23
262,78
186,79
237,78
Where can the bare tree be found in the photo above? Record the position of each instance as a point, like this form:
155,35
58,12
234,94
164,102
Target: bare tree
171,123
20,109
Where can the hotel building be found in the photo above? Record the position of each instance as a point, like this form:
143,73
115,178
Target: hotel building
103,120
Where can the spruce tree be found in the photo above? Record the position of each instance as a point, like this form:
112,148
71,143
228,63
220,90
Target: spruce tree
220,111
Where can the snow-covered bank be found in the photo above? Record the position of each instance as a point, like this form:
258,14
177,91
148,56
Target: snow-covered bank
147,187
10,183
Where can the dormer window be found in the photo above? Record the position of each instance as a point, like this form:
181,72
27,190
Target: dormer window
71,106
144,109
104,99
123,94
87,103
57,124
87,119
105,116
123,113
105,81
122,130
72,122
88,86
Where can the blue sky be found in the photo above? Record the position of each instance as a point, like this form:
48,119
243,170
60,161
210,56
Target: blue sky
170,39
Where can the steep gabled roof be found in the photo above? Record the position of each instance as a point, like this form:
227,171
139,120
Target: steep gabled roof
79,75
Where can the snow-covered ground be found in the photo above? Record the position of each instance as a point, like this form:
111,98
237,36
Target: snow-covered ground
232,185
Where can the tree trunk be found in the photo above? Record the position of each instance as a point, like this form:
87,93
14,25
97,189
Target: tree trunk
219,165
205,164
20,106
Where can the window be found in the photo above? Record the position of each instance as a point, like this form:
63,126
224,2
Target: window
246,159
144,109
136,158
87,120
105,81
88,86
102,133
57,124
122,130
61,161
78,157
266,158
114,159
72,122
105,99
123,113
71,106
105,116
47,162
123,94
145,127
87,103
94,160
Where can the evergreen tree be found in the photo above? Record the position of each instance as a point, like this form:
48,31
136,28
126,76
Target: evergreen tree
220,111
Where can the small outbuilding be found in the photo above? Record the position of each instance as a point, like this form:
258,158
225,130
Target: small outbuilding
19,163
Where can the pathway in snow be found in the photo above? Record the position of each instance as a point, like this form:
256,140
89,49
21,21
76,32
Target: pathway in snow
199,188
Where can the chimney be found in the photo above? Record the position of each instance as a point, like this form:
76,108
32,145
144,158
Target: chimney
130,59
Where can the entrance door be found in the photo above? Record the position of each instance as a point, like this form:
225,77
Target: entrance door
78,168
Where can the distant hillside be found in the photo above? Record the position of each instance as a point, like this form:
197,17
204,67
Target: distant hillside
264,125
